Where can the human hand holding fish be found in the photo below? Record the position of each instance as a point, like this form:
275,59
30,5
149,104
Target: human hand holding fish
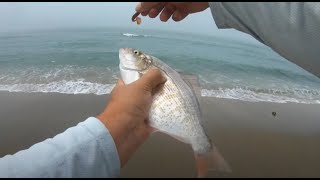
127,113
175,109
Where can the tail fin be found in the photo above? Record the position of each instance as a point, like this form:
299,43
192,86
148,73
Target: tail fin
212,160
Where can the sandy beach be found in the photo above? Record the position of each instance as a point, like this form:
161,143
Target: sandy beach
251,139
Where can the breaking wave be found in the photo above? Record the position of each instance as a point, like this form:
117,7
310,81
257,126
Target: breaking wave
253,96
81,86
64,87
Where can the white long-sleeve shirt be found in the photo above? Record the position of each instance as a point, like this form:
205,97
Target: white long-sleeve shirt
86,150
292,29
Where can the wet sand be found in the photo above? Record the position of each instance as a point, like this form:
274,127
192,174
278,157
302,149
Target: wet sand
255,143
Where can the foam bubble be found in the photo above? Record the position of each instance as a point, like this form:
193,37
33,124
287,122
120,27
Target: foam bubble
65,87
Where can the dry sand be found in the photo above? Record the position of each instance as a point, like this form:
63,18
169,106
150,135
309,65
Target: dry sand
255,143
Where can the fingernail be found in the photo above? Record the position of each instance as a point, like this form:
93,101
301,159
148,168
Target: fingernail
177,17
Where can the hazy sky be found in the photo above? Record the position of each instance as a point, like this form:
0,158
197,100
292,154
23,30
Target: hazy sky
47,15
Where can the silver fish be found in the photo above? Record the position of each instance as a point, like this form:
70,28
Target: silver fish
175,109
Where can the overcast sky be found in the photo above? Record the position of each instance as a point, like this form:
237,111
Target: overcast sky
47,15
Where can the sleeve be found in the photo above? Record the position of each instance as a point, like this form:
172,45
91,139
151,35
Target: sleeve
86,150
289,28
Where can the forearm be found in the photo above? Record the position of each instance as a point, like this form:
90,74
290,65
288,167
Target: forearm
291,29
86,150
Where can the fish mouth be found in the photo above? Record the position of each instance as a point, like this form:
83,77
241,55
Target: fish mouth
124,51
122,57
122,54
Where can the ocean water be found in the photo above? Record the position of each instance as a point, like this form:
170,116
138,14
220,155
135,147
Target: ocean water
76,61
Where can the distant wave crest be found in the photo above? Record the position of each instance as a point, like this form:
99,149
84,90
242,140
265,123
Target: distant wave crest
134,35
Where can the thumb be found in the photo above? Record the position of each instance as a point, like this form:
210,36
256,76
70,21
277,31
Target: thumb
151,80
119,84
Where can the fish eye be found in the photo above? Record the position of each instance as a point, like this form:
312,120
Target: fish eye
136,52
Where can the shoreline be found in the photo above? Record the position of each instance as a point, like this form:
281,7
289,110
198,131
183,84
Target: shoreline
202,97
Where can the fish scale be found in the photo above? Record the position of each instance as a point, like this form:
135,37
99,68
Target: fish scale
180,105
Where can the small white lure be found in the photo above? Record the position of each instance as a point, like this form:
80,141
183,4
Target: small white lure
136,18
